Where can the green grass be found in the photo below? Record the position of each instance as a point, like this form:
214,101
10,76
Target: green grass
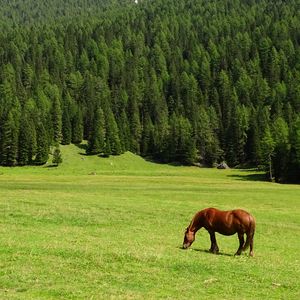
111,228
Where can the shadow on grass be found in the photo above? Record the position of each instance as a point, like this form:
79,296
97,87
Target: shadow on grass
162,162
51,166
205,251
82,147
85,146
250,177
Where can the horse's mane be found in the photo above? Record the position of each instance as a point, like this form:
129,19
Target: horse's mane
191,224
194,221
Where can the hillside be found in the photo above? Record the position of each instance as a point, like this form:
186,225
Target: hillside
77,163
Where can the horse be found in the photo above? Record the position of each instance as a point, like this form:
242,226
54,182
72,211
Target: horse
224,222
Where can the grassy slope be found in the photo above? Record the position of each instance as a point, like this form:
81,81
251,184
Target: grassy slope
66,234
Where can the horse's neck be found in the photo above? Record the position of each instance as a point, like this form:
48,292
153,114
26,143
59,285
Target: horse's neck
196,223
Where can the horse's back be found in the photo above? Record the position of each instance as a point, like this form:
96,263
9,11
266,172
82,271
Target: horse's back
228,222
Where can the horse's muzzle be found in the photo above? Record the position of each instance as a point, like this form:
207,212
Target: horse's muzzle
185,246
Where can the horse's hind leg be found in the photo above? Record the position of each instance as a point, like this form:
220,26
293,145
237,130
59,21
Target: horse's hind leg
242,242
251,247
214,246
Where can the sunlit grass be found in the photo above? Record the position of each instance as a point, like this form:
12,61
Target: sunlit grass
105,228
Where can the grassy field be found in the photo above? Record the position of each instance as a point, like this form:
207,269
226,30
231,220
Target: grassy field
111,228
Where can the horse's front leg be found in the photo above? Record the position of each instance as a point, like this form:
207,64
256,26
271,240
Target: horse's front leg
214,246
242,242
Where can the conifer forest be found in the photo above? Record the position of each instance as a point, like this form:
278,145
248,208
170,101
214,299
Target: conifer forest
185,81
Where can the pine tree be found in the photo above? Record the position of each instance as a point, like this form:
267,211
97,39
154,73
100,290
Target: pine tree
236,135
28,77
282,148
205,74
122,120
42,154
265,47
186,151
77,127
293,165
134,120
274,67
207,142
147,143
57,158
214,58
9,141
66,127
267,147
225,95
159,63
158,113
244,87
27,140
96,143
52,92
113,144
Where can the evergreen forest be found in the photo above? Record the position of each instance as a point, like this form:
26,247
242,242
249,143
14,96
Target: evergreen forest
185,81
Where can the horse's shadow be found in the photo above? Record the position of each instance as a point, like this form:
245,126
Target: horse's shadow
207,251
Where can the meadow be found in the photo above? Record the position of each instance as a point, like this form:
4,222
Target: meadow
112,228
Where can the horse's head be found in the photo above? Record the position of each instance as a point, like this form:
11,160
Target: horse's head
189,237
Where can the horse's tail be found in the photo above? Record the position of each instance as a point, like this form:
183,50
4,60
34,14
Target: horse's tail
250,233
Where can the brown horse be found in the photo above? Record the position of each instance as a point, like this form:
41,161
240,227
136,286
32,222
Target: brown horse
224,222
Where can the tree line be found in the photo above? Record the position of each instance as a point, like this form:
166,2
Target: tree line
175,80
